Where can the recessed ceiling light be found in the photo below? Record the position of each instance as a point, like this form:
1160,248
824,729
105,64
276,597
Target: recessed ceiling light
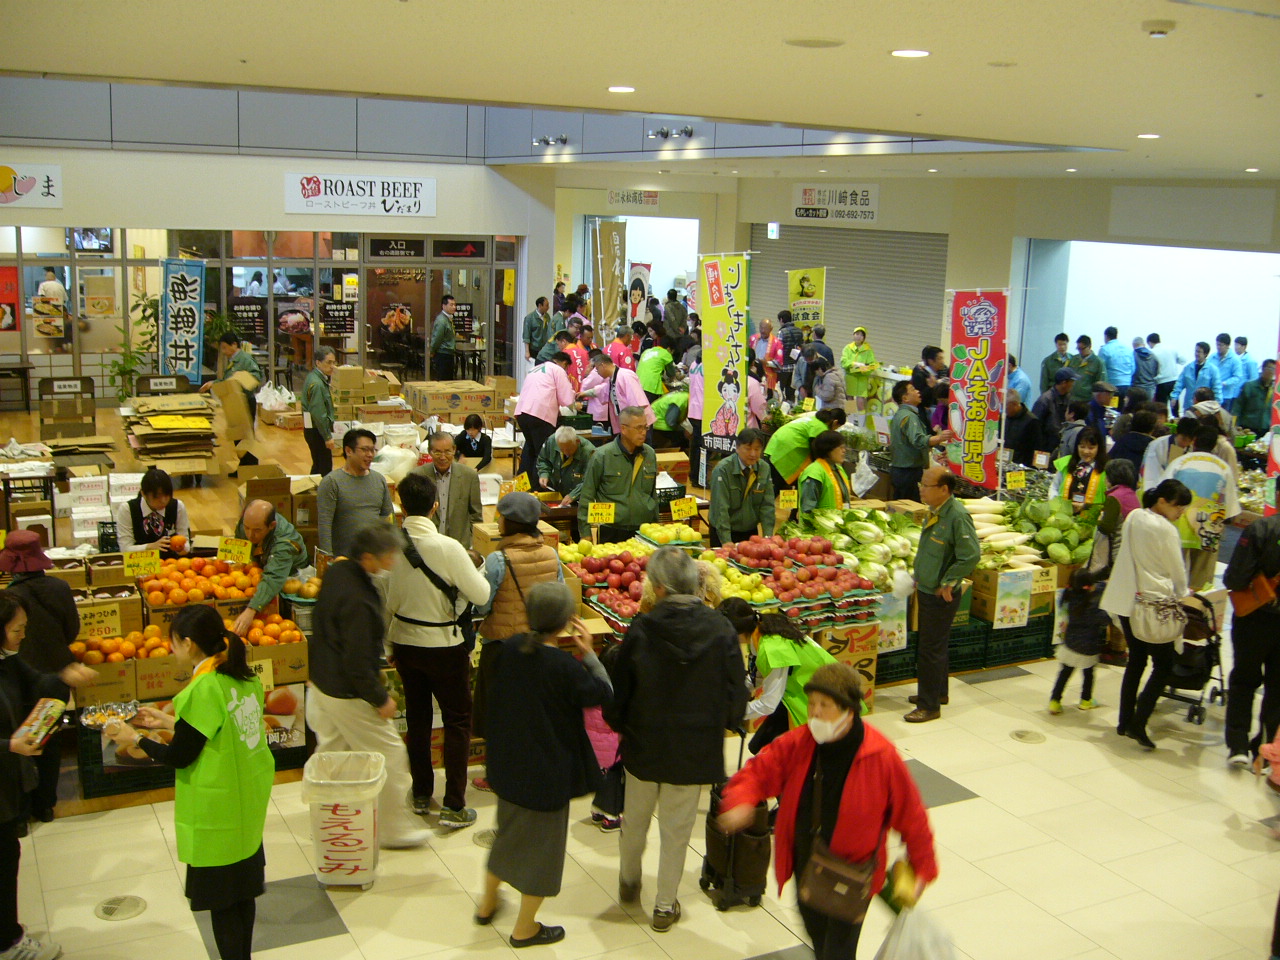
1071,169
1148,136
814,43
933,170
822,171
733,171
622,89
1250,169
909,54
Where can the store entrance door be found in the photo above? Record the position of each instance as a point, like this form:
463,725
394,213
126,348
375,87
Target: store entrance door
397,321
469,287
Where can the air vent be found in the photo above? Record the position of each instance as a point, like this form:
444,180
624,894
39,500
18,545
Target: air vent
120,908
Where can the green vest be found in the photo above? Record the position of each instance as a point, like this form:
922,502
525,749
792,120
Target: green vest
816,471
220,801
679,400
779,653
650,368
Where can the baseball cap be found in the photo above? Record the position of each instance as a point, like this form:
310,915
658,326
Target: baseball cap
1065,373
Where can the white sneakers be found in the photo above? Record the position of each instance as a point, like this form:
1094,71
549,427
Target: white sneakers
1238,760
29,948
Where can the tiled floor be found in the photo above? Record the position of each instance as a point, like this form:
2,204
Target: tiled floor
1081,847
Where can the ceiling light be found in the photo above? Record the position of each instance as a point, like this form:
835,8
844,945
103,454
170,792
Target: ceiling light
1250,169
822,171
814,43
622,89
909,54
733,171
1071,169
1148,136
932,170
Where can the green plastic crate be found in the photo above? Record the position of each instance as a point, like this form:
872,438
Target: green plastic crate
1020,644
896,666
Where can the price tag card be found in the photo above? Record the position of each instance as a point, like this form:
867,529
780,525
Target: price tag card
1015,480
505,487
100,621
789,499
601,512
1041,460
806,404
684,508
522,483
142,563
265,671
234,551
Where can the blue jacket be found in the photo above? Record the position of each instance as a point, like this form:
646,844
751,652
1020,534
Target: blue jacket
1230,374
1022,383
1190,381
1117,358
1248,368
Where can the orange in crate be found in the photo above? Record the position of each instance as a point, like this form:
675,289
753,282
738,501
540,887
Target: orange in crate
256,636
178,596
150,631
127,649
93,657
110,645
78,650
116,657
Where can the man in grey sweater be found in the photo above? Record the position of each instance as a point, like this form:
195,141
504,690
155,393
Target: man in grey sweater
352,497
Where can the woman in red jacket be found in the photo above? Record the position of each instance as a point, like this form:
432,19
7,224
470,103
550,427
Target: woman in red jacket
875,789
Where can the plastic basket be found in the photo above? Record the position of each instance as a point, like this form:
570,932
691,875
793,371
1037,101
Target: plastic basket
1020,644
896,666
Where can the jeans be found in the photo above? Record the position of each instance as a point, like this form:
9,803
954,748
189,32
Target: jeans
1255,645
906,482
936,616
445,674
1064,674
1135,708
677,806
832,939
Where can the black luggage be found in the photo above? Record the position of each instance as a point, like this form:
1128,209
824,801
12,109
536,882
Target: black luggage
736,866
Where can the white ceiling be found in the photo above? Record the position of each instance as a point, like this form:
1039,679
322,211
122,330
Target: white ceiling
1084,73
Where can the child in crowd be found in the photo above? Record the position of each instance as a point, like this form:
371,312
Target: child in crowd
1085,637
606,807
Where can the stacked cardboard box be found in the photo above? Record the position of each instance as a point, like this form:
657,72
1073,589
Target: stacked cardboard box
163,430
267,481
675,463
997,595
67,408
355,385
450,400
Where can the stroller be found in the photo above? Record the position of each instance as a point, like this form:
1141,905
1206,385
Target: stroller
1200,661
735,869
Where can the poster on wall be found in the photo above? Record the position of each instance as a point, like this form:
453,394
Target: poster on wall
50,317
249,315
294,319
99,296
978,350
609,242
182,318
31,185
725,283
337,318
806,292
637,291
9,312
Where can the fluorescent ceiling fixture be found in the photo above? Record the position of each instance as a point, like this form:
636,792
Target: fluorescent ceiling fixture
814,43
1148,136
822,171
1250,169
1071,169
909,54
622,89
932,170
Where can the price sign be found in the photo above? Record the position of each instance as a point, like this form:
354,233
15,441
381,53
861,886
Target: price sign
264,671
142,563
100,620
1015,480
684,508
522,483
234,551
601,512
806,404
789,499
1041,460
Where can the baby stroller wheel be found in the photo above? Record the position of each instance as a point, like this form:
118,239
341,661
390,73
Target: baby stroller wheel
1195,714
753,901
1215,695
704,883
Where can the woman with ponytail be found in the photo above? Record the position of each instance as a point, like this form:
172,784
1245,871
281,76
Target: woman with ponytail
224,774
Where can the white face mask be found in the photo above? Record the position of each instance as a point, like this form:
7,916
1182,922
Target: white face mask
824,731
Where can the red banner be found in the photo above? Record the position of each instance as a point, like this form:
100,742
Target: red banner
10,307
1273,451
978,352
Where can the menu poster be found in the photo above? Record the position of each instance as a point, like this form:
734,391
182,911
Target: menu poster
50,319
294,318
337,318
464,320
249,315
9,313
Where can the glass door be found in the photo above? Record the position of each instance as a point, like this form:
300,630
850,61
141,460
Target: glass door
397,324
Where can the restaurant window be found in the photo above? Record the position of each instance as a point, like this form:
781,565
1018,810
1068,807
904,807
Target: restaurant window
192,244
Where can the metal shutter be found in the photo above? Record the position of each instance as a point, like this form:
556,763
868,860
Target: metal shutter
889,282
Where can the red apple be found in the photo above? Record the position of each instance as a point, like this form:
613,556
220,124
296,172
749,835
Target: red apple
627,579
625,556
616,565
614,580
635,589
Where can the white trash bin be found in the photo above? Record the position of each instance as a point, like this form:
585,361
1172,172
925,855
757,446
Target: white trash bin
342,790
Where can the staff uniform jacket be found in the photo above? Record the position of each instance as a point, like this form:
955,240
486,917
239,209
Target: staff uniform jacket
536,331
949,549
21,685
1249,368
1253,408
788,448
1091,371
732,507
612,477
1229,372
857,384
1192,379
619,351
242,362
878,784
409,593
1117,359
623,390
1018,380
1150,560
755,402
545,390
564,476
281,554
598,401
1160,452
655,367
908,442
317,400
1049,368
443,334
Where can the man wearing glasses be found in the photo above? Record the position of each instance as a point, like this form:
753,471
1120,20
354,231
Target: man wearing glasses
352,497
948,553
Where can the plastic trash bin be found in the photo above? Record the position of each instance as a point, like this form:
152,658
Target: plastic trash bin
342,790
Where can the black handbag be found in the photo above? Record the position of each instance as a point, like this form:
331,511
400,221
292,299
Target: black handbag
609,798
830,884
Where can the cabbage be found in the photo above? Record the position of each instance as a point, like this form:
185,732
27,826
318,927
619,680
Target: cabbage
876,553
1026,526
1037,511
854,515
913,535
864,532
1059,553
1048,535
1082,553
876,573
842,543
900,546
1061,522
1071,538
897,564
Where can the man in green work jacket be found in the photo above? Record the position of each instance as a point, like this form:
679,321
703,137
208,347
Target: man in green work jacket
239,361
317,405
1088,365
948,553
909,444
443,340
277,548
623,472
537,329
741,493
562,463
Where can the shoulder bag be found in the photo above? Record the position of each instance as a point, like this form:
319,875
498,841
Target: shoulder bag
1260,593
830,884
1157,618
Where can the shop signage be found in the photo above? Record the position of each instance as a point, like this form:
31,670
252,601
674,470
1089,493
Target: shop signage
1273,452
397,247
463,319
458,249
522,482
30,185
337,318
640,201
978,353
847,202
609,254
725,285
359,195
249,315
807,291
182,318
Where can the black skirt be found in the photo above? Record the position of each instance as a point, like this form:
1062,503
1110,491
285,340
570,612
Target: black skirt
213,888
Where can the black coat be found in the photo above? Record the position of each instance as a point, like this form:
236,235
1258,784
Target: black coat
20,688
1022,437
538,755
1086,622
52,621
347,628
1132,447
678,685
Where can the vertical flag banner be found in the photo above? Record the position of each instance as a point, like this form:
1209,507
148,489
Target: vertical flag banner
182,319
807,290
611,264
638,292
724,284
978,352
1273,449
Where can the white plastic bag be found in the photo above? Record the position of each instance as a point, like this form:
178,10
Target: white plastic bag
394,463
864,478
274,398
916,936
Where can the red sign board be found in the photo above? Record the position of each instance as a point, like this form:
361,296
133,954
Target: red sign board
978,362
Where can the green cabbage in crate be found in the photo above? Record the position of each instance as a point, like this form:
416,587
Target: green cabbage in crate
1059,553
1082,553
1049,535
1071,538
1036,511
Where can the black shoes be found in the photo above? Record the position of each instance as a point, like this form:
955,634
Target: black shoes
544,935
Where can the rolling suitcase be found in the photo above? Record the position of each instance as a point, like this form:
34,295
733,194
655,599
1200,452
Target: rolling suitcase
736,867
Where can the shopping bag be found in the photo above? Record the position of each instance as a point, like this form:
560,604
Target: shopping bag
916,936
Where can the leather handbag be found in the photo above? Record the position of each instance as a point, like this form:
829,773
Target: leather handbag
1261,592
830,884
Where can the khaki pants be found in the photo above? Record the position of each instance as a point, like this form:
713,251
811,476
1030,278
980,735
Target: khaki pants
677,806
353,725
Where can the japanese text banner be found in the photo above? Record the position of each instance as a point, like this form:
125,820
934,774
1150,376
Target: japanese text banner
978,351
1273,449
724,283
611,262
807,290
182,319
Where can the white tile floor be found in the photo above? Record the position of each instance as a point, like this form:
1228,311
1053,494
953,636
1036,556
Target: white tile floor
1082,847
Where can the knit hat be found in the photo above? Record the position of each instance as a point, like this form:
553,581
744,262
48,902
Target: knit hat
520,507
840,682
23,553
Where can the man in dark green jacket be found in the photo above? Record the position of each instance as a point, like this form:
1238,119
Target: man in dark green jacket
277,548
537,329
1089,366
741,493
623,472
443,340
1054,362
909,444
317,405
562,463
1253,408
948,553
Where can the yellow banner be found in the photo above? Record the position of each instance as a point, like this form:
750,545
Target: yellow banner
610,263
724,285
807,292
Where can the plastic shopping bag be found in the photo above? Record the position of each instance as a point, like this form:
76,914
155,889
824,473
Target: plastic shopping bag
864,478
273,398
915,936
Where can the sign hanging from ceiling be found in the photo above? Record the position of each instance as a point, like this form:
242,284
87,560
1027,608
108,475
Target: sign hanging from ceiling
359,195
839,202
397,247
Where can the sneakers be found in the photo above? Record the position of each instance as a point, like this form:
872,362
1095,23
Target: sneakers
481,784
628,892
29,948
1088,705
1238,760
610,824
1055,707
457,819
664,920
421,806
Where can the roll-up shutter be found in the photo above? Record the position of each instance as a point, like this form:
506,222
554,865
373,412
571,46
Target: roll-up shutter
889,282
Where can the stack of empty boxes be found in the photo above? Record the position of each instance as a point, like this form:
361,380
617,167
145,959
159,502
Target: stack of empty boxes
90,504
369,398
67,408
124,487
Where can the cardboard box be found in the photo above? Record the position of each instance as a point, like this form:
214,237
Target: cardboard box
125,484
107,570
40,523
288,420
431,398
71,569
1043,604
162,616
392,381
377,413
289,661
503,387
67,408
917,510
235,410
88,491
675,463
963,612
485,537
1064,572
117,683
376,389
160,678
304,510
264,480
347,377
1043,580
109,612
310,537
344,412
866,505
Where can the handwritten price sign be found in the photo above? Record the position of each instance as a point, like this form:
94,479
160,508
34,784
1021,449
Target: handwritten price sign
265,672
234,551
789,499
806,404
684,508
522,483
1015,480
100,621
601,512
142,563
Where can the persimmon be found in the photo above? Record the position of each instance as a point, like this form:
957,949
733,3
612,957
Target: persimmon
255,635
153,630
195,595
78,650
116,657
